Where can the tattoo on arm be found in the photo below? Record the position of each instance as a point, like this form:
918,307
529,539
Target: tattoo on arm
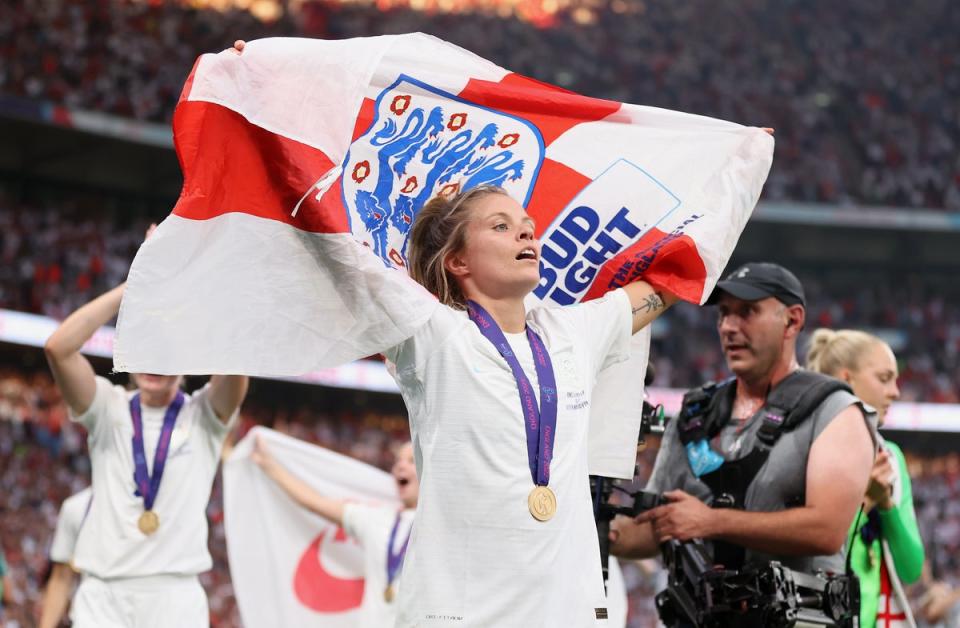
651,303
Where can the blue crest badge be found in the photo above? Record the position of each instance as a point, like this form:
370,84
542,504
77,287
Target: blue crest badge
424,141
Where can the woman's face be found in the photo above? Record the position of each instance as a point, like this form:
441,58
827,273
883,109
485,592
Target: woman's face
157,389
501,257
405,474
875,382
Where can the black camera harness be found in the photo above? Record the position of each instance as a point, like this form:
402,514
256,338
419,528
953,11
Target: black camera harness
705,411
707,591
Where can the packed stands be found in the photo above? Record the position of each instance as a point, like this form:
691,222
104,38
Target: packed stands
862,94
60,252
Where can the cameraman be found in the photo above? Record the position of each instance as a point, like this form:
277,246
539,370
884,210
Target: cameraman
795,484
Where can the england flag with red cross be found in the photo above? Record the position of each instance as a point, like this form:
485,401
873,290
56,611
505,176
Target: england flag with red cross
296,150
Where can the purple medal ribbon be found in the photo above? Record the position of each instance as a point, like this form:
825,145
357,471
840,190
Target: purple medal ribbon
394,561
147,485
541,423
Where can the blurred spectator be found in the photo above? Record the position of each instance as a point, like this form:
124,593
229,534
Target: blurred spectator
862,93
6,585
940,607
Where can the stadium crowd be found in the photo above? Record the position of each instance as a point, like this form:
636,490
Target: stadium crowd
55,255
862,93
58,254
44,461
936,496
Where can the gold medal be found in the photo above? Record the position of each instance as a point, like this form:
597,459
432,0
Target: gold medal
148,522
542,503
388,593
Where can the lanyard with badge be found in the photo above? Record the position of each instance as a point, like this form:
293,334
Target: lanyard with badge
148,485
394,559
540,422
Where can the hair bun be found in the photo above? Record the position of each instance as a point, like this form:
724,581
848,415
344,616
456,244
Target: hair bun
819,342
831,350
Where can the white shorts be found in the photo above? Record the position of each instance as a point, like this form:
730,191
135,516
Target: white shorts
146,602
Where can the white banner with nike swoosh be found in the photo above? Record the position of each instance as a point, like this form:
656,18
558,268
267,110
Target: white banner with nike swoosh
289,566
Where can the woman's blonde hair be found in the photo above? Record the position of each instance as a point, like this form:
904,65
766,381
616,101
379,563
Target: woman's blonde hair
831,350
440,229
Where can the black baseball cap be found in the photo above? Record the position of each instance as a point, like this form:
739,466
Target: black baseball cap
759,280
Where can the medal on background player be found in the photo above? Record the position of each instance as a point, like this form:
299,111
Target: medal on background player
394,560
540,422
149,484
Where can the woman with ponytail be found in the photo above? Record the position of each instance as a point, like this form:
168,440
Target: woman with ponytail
499,396
884,544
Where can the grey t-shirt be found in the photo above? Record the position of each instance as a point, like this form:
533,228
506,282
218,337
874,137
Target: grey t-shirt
780,481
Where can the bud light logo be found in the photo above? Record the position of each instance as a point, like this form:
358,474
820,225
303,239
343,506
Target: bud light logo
607,217
423,142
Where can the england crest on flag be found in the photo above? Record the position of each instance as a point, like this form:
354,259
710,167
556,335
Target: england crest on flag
422,142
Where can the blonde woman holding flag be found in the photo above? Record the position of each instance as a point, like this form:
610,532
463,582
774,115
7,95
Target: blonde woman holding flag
499,392
499,399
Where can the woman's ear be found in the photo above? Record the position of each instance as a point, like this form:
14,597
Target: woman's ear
845,376
455,264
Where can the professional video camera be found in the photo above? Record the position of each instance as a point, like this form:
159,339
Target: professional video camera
700,594
652,421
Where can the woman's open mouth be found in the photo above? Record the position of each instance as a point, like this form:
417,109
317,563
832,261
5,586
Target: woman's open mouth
528,253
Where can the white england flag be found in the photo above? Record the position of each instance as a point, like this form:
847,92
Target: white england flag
306,161
289,566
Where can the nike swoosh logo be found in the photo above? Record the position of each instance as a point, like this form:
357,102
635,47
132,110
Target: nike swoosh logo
318,589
